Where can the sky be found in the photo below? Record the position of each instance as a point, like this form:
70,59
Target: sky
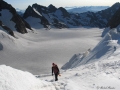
23,4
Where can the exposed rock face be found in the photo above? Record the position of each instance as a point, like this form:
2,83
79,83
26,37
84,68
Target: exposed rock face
32,11
108,13
20,23
60,18
48,15
8,30
115,20
98,19
52,8
65,13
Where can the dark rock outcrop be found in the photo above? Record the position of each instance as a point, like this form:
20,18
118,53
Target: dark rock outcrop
98,19
7,29
65,13
52,8
108,13
115,20
31,12
20,23
49,16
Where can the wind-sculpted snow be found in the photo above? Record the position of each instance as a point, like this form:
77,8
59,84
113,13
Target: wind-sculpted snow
5,39
13,79
103,74
105,48
75,60
106,30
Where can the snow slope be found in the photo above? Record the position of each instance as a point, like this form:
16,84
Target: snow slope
104,75
13,79
108,46
35,51
6,17
34,22
102,70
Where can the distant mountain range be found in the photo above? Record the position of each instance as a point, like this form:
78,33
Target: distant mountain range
20,12
67,8
76,9
38,16
60,18
86,9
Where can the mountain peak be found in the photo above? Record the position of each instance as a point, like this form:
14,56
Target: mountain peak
115,20
51,5
29,7
52,8
117,4
37,5
64,11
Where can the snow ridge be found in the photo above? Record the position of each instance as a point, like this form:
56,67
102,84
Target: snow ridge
13,79
105,48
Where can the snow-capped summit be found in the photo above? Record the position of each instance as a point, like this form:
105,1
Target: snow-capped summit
39,16
61,18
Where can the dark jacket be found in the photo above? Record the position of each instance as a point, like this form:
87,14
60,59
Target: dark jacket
55,69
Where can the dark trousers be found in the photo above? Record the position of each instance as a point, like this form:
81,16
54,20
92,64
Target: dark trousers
56,77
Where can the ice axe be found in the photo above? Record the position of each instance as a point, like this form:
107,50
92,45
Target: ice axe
59,74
